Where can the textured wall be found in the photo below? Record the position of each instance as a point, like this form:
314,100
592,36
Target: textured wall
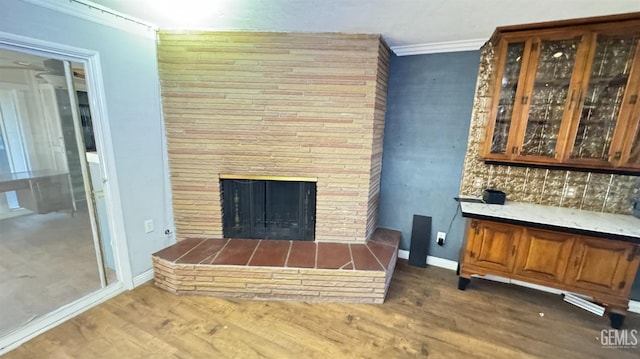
594,191
276,104
428,111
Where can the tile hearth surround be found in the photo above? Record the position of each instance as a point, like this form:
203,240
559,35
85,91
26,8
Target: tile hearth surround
595,191
275,105
280,269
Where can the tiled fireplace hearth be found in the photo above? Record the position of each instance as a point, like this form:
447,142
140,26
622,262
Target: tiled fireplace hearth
285,106
280,269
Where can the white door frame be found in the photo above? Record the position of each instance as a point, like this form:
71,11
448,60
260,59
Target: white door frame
104,145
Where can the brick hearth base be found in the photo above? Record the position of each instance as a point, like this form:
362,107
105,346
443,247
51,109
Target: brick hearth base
280,269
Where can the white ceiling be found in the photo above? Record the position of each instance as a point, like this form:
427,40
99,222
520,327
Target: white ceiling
401,22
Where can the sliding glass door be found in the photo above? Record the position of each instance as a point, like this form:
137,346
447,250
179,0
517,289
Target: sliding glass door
54,242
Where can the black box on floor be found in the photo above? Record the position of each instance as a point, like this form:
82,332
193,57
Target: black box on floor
420,236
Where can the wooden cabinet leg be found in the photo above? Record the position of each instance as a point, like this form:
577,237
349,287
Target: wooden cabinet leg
616,319
463,282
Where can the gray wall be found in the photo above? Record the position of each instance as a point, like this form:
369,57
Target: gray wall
429,104
131,88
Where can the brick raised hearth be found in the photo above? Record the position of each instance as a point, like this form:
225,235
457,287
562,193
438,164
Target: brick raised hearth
279,269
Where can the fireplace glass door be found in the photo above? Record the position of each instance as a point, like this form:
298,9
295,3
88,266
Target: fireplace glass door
261,209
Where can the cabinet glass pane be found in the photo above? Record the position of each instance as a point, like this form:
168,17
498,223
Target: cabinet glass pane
553,76
507,98
601,105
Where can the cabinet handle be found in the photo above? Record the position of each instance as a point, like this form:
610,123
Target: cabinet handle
513,251
472,254
622,284
514,149
524,100
617,155
579,98
573,93
633,99
576,262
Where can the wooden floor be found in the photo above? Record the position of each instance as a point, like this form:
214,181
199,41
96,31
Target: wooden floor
424,316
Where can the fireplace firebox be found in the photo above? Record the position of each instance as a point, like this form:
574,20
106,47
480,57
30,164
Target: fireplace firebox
268,209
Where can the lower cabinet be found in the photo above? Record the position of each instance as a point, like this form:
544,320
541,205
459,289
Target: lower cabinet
603,269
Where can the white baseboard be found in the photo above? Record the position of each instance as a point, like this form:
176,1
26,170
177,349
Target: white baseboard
634,305
434,261
442,263
39,325
143,277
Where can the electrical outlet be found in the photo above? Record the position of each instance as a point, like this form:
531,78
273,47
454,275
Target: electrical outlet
570,193
148,226
477,183
440,237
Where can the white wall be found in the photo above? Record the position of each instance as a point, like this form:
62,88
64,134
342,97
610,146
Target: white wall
131,88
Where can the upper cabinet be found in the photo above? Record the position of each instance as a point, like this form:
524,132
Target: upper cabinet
567,96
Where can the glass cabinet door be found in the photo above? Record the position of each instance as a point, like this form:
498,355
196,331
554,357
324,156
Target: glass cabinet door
547,100
508,88
602,103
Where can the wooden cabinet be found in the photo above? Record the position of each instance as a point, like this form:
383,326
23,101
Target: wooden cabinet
567,96
601,268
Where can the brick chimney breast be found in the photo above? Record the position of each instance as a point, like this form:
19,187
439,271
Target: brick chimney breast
275,104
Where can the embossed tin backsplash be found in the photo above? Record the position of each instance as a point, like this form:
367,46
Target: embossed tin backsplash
609,193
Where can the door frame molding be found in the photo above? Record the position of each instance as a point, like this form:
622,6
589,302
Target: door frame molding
95,87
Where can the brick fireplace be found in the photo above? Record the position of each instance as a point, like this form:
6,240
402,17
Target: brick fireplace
275,105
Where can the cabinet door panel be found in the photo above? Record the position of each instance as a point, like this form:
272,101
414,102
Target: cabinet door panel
543,255
492,245
512,56
602,265
549,100
630,157
604,99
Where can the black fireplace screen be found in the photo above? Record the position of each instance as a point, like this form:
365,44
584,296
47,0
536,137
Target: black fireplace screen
268,209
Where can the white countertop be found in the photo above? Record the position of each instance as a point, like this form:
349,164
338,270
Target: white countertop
598,222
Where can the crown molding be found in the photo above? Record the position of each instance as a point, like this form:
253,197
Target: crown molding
91,11
439,47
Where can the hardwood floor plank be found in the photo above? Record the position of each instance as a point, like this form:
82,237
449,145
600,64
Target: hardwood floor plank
425,315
